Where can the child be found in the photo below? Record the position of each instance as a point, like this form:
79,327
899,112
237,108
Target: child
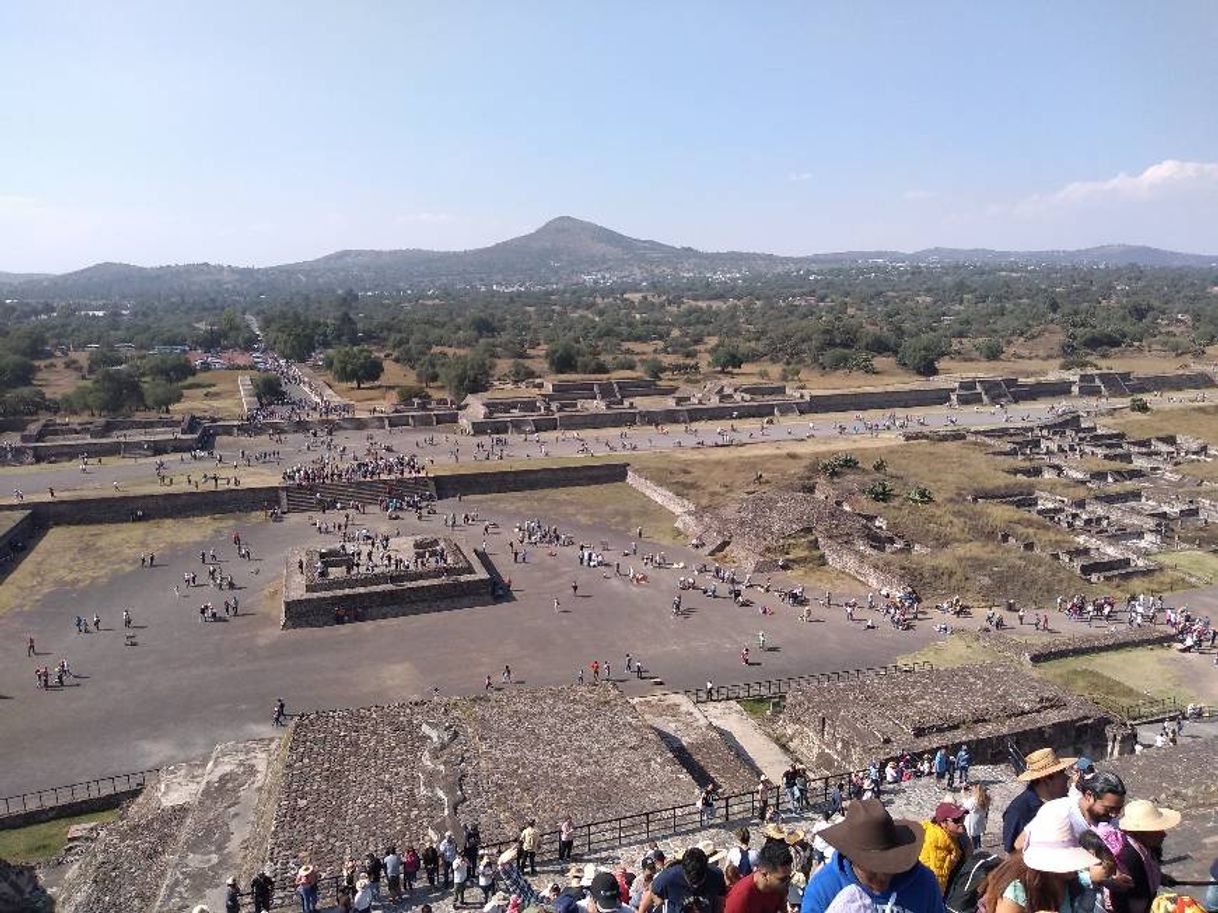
1091,900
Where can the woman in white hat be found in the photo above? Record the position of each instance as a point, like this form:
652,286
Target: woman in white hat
1138,847
363,895
1038,878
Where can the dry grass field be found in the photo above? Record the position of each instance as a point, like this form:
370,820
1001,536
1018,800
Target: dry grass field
212,393
45,569
381,393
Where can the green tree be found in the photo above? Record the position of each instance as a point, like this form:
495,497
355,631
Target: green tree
355,365
921,354
161,394
518,372
990,349
116,391
24,401
15,371
653,368
429,369
408,392
563,356
728,355
171,368
465,374
267,387
99,359
1139,404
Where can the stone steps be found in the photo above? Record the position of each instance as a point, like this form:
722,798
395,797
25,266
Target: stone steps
304,497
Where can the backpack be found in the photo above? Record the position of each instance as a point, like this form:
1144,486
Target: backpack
963,889
745,865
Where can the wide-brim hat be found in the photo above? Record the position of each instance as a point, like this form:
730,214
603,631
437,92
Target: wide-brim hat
361,884
304,870
713,853
1054,857
501,897
793,837
1043,763
508,855
1141,815
774,831
589,872
874,839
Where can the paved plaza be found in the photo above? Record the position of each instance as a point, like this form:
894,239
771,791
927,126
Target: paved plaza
446,448
186,685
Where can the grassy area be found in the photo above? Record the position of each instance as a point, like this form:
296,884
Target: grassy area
1121,676
617,506
212,393
1194,421
40,842
759,707
960,649
1201,565
45,570
382,392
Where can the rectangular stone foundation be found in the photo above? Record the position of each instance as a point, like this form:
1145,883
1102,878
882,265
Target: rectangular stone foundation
304,607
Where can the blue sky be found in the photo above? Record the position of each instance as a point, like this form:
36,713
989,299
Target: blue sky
264,132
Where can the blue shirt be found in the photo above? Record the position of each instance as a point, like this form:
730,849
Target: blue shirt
1023,808
914,891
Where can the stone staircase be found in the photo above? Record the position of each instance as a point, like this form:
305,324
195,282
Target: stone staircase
995,392
1112,383
302,498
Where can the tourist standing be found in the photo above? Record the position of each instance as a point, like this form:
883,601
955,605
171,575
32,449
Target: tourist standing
764,889
875,867
1045,775
566,839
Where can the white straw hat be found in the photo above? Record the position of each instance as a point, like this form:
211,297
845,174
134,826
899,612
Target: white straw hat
1052,846
1141,815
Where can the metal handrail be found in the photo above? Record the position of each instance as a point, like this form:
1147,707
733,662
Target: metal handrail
54,796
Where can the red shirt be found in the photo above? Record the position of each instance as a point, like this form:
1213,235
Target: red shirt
745,897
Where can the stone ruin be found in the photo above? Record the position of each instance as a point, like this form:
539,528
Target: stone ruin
759,530
427,574
847,725
1115,531
353,779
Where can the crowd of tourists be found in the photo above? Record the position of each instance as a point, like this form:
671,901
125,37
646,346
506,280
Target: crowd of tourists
1072,842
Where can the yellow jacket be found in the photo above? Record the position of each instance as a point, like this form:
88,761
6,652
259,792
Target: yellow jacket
941,853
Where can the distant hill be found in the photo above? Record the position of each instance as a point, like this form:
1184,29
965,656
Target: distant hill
563,251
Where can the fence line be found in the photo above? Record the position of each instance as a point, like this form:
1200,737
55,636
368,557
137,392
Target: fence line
596,837
776,687
75,792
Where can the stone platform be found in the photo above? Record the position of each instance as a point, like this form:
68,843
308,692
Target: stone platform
325,586
846,725
354,779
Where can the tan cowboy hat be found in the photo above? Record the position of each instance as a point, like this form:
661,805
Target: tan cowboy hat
713,853
501,897
796,835
304,870
1141,815
870,837
774,831
1042,763
508,855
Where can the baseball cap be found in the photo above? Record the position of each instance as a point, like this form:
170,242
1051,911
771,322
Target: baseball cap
946,811
1084,764
605,892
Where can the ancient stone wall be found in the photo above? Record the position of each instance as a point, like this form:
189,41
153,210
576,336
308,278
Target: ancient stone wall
670,501
169,504
16,526
477,483
843,725
1098,640
355,779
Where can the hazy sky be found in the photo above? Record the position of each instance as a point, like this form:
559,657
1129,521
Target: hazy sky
263,132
